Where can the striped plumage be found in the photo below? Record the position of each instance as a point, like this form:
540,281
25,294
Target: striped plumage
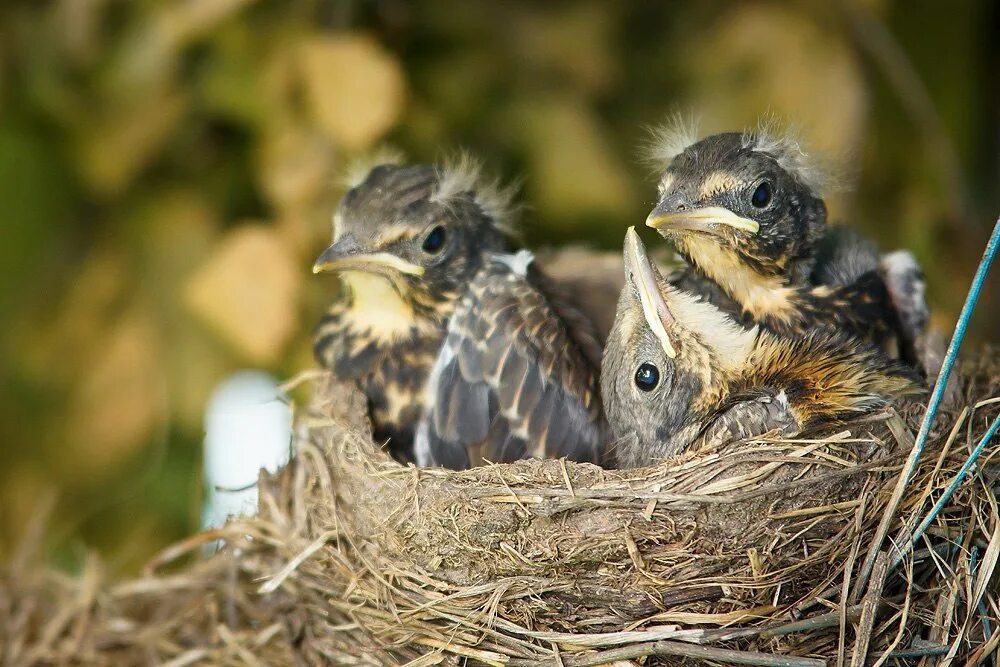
432,293
744,211
513,379
718,381
390,372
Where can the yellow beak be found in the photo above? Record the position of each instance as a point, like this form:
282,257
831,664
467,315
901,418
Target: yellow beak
641,273
705,219
333,259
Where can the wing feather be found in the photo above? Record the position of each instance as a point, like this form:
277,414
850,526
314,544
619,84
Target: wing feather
510,380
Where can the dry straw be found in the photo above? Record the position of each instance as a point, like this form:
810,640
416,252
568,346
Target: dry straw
742,555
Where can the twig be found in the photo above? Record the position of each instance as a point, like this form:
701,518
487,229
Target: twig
869,609
272,584
949,492
981,606
932,407
678,649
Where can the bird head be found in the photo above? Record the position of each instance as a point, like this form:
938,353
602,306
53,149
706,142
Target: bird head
666,363
748,194
423,230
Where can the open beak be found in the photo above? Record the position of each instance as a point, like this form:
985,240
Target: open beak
708,219
345,255
639,270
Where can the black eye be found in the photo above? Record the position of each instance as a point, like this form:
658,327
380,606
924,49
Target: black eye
647,377
761,197
435,240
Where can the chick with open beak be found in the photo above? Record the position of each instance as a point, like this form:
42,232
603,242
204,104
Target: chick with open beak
744,210
463,355
679,373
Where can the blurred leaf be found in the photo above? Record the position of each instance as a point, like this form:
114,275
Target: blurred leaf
573,170
78,320
251,77
118,144
78,24
175,232
113,411
294,167
184,22
572,42
355,88
35,190
248,292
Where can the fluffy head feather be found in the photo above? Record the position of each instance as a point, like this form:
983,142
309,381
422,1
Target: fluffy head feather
461,175
784,144
670,139
781,142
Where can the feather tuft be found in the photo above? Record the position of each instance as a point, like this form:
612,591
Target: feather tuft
461,175
785,145
670,139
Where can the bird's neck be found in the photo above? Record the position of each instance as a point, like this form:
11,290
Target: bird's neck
763,297
375,309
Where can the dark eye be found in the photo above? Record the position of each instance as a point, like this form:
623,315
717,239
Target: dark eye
435,240
647,377
761,197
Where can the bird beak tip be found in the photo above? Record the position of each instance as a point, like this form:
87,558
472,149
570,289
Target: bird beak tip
655,220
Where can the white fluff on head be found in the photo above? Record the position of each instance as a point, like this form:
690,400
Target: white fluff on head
670,139
783,143
769,136
461,175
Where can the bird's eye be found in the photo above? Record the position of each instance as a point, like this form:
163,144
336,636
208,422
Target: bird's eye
647,377
761,197
434,240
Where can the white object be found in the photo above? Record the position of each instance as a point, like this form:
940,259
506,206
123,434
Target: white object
247,427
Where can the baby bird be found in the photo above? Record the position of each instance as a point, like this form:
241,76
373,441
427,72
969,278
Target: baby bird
678,373
432,293
744,210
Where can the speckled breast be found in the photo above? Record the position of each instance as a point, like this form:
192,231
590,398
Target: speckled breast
391,372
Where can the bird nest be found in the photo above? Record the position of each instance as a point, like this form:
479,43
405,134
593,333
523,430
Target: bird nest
759,553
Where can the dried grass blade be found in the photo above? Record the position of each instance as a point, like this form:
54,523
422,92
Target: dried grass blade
932,407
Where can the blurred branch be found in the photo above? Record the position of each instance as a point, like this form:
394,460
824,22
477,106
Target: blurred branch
871,36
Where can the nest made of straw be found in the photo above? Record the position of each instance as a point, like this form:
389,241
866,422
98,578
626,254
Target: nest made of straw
750,554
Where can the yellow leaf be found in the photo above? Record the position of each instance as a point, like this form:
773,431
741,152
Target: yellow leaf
574,170
248,292
115,147
355,88
294,167
120,399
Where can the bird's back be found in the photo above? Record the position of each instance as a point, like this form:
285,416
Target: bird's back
823,376
515,377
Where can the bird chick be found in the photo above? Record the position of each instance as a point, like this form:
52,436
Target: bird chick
433,294
407,241
744,210
678,372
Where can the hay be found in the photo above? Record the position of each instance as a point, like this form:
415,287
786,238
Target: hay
744,555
